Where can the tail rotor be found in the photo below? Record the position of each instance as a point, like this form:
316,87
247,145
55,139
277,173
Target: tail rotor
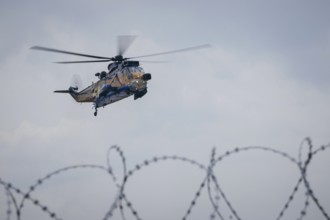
75,85
76,82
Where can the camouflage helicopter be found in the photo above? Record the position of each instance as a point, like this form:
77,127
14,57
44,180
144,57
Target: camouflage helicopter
125,77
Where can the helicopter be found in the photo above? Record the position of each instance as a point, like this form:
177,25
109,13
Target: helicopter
124,77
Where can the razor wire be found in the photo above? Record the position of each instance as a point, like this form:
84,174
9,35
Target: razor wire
209,183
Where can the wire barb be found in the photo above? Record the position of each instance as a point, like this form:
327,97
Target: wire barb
210,181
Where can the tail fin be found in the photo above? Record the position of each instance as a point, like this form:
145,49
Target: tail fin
62,91
71,91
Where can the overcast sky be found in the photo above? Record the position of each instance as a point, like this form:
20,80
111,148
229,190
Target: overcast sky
264,82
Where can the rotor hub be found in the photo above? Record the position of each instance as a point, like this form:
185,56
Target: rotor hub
119,58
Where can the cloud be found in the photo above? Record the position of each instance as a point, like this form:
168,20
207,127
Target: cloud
33,131
255,99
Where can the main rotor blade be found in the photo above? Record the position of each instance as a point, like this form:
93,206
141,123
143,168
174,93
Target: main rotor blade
174,51
124,41
155,61
85,61
66,52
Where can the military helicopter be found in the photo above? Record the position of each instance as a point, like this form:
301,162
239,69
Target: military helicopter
125,77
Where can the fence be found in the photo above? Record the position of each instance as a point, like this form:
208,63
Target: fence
215,193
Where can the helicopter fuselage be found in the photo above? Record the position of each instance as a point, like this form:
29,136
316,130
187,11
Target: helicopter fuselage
123,80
